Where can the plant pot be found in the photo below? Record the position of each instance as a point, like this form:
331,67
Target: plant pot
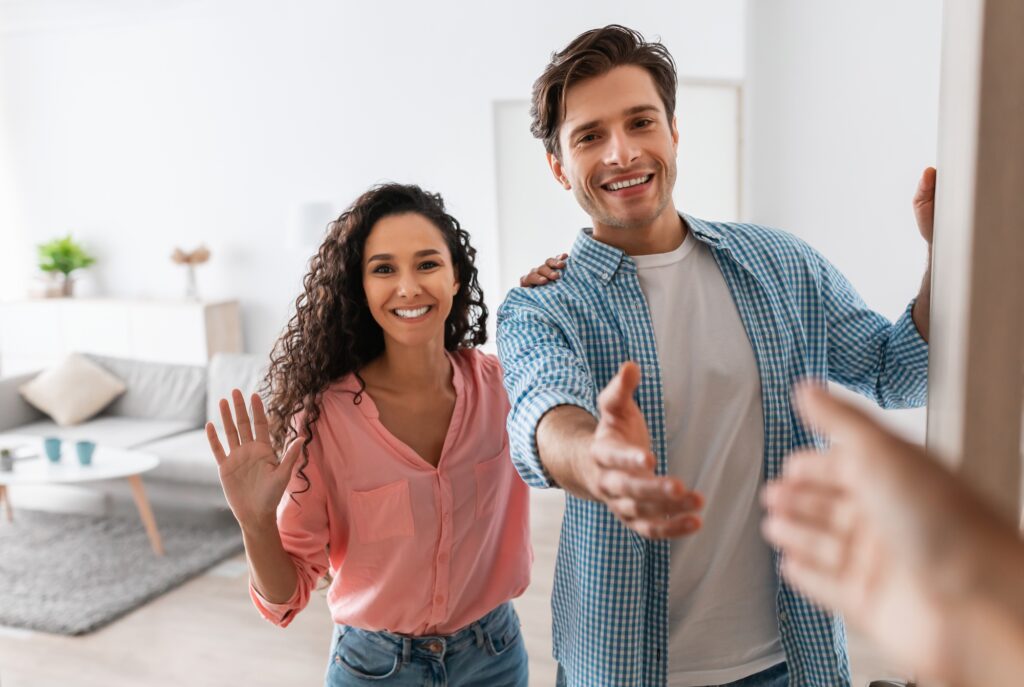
46,285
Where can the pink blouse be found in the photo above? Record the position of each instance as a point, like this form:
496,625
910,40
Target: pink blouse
412,549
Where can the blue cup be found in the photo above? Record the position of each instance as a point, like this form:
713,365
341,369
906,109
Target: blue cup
52,447
84,450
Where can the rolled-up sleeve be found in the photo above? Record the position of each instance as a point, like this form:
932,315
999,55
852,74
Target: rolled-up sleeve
303,523
541,371
884,361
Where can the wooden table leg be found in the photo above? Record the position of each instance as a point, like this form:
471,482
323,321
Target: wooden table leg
146,513
5,498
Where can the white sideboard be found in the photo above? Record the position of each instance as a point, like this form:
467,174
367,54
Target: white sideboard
37,333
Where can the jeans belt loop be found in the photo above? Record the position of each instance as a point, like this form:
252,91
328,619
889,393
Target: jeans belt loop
479,632
406,650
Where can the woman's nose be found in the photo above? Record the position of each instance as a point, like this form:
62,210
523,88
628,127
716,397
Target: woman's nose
408,286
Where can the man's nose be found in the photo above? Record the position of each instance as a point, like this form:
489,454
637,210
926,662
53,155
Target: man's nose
622,150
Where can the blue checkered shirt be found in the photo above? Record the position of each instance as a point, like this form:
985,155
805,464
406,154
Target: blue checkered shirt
562,343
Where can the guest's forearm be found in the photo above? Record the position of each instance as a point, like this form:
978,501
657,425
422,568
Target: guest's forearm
998,568
986,646
980,568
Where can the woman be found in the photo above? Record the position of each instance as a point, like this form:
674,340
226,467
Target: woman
404,493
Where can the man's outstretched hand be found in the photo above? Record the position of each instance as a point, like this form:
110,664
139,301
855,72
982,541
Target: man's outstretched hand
621,469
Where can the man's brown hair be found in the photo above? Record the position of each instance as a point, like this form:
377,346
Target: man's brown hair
591,54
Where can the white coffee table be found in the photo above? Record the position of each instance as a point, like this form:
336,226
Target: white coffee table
107,463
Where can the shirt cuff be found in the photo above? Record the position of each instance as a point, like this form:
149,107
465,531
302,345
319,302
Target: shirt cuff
529,411
280,614
908,346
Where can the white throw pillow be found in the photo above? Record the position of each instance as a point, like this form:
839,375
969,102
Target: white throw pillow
73,391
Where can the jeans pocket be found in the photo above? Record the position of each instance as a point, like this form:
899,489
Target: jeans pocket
364,658
503,636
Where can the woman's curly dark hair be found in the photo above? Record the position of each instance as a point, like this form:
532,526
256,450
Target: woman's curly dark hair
333,334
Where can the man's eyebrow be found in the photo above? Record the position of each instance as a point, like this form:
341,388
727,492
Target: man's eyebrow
636,109
417,254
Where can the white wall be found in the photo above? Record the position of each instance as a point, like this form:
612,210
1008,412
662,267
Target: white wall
144,126
843,117
843,112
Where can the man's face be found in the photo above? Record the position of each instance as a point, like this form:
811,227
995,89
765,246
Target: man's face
618,148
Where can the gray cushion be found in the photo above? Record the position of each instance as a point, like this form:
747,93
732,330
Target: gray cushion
15,410
106,430
157,391
184,458
232,371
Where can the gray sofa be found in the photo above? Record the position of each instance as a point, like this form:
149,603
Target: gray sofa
163,411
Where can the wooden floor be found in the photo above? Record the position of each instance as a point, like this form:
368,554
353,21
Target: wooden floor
206,634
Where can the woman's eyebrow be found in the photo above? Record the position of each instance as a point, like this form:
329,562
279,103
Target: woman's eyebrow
417,254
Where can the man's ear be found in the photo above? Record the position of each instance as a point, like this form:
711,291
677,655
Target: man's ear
675,135
556,169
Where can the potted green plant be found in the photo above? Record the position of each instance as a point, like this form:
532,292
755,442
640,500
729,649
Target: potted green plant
63,256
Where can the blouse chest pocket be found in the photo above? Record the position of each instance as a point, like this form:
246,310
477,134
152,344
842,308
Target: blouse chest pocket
382,513
493,481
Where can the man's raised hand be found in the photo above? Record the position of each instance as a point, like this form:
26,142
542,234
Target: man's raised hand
924,204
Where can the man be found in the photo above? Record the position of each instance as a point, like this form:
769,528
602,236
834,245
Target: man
887,536
718,319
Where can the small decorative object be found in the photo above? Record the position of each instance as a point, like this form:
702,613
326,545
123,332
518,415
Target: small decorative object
6,460
63,256
196,257
52,447
84,450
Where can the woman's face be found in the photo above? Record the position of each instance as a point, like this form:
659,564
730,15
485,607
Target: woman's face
409,279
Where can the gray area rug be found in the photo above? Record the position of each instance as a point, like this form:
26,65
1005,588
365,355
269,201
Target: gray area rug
72,574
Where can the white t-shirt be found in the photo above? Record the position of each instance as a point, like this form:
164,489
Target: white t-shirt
723,624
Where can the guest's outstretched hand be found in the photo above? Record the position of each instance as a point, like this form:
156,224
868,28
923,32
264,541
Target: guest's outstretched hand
877,530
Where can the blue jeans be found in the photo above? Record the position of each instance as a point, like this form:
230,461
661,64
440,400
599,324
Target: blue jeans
776,676
488,652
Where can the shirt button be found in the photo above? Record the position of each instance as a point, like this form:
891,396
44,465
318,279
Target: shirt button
783,616
443,558
439,599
